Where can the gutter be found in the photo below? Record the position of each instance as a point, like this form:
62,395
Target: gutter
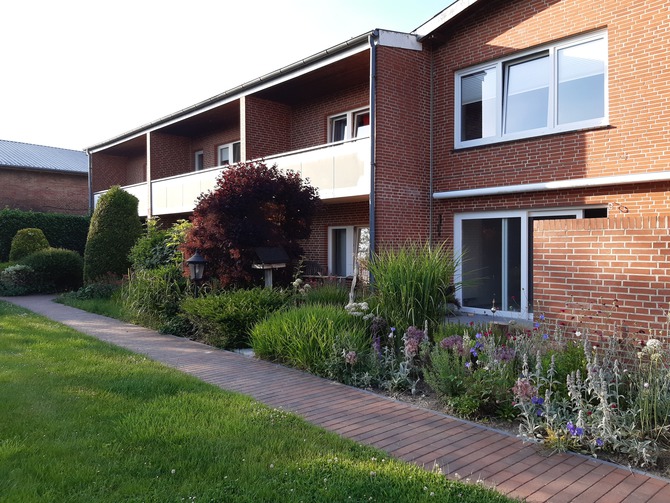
575,183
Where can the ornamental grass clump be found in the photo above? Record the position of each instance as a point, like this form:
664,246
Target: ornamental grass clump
414,284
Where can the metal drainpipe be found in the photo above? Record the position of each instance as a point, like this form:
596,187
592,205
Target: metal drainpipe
430,148
90,183
149,187
373,87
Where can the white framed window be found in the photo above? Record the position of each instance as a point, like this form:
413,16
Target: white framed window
497,257
229,153
199,160
554,88
346,245
349,125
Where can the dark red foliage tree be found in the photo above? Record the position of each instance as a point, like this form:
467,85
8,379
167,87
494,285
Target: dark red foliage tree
252,206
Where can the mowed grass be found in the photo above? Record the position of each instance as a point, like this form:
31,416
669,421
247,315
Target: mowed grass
84,421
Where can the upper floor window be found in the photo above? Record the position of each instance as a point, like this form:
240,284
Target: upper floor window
555,88
199,160
349,125
230,153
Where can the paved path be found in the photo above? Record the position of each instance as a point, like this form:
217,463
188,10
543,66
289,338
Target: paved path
411,433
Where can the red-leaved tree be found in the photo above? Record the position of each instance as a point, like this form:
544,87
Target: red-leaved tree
252,206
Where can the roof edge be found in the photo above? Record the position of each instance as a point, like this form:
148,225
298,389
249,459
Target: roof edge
442,18
239,90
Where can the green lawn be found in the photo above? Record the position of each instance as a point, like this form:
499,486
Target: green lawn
84,421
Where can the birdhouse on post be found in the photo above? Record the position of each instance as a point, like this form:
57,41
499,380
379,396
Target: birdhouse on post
270,258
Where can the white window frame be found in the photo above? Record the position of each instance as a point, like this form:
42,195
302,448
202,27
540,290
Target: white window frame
525,311
500,66
231,150
199,155
350,132
351,237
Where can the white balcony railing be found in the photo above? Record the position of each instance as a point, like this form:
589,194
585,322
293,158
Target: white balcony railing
341,170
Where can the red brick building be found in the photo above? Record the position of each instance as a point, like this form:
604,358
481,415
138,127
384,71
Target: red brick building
43,179
499,126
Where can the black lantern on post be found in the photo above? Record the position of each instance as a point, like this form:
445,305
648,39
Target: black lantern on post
196,269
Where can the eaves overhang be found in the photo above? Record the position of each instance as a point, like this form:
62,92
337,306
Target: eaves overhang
442,18
340,51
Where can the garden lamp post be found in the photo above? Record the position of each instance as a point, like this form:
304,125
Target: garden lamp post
196,268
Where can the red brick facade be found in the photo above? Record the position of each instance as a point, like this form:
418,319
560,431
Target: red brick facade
414,150
44,191
611,275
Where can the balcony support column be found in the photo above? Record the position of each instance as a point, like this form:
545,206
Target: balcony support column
149,191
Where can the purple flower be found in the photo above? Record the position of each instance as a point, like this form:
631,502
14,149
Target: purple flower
478,335
505,354
453,343
545,336
473,352
599,442
536,325
468,365
537,400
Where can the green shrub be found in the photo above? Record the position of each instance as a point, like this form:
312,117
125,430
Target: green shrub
62,231
159,247
152,298
414,284
27,241
17,279
114,229
94,291
56,270
225,320
305,337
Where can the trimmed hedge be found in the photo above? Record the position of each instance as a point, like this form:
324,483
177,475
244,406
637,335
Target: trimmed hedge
62,231
225,320
56,270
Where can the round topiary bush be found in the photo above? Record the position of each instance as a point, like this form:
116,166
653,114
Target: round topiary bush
27,241
57,270
17,279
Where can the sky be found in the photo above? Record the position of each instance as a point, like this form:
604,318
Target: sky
78,72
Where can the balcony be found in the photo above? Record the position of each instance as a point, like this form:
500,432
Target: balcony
339,171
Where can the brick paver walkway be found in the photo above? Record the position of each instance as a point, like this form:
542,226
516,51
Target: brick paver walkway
405,431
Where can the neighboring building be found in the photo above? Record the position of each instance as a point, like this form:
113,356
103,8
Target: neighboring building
530,134
44,179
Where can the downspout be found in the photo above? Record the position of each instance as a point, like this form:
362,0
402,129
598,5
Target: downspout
90,183
150,202
430,147
373,100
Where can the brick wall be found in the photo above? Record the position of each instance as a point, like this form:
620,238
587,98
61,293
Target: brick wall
108,170
402,193
170,155
310,118
604,273
44,191
209,144
331,215
268,128
636,140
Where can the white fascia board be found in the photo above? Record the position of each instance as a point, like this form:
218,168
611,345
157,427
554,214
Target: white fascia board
398,40
447,14
575,183
277,77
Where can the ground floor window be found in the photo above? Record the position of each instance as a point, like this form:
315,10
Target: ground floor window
347,245
497,253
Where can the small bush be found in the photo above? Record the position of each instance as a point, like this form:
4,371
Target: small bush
56,270
225,320
305,337
152,298
17,280
95,291
27,241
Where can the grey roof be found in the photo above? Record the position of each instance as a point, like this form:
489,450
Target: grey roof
25,155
